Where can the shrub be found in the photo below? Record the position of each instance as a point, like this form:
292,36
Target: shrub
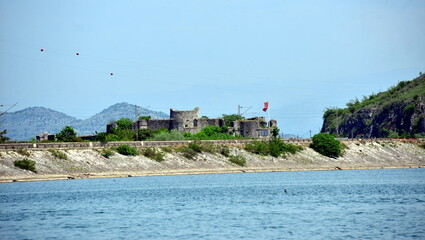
152,153
195,147
187,152
211,133
168,136
125,134
127,150
111,138
144,134
58,154
107,153
100,137
24,152
238,160
209,148
274,147
144,117
167,149
25,164
224,150
258,147
326,144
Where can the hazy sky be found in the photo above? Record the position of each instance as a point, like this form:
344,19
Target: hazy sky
301,56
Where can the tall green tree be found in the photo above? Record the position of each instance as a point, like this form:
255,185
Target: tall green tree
3,138
124,123
68,134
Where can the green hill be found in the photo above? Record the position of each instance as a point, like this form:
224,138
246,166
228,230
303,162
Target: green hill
397,112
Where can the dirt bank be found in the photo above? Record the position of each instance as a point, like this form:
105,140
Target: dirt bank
88,163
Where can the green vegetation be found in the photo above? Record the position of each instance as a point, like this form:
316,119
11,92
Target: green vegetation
26,164
326,145
192,149
58,154
195,147
106,152
238,160
68,134
224,150
274,147
122,132
228,119
3,138
23,152
144,134
167,149
211,133
127,150
165,135
187,152
144,117
154,154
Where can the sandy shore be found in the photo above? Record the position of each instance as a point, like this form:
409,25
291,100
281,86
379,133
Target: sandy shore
88,163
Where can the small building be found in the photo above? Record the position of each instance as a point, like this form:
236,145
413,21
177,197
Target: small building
45,137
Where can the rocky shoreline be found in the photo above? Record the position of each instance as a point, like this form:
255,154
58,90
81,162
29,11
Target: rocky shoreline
89,163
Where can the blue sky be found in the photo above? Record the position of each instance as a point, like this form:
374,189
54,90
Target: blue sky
301,56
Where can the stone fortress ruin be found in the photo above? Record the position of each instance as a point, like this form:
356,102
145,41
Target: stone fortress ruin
189,121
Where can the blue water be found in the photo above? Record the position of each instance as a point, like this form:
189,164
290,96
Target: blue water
363,204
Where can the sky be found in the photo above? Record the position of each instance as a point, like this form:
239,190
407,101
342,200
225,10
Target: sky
300,56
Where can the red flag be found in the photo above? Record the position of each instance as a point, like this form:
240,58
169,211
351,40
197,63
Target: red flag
266,105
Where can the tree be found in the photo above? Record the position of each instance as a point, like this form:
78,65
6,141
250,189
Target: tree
3,138
326,144
124,123
68,134
145,133
275,132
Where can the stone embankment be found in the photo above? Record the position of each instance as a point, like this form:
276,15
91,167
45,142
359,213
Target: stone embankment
67,145
85,161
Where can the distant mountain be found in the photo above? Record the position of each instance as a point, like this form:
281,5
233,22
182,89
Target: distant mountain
120,110
27,123
398,112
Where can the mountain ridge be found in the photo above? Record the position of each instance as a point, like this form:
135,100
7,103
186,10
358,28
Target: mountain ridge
27,123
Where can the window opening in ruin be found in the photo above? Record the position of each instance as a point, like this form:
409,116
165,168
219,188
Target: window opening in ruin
264,133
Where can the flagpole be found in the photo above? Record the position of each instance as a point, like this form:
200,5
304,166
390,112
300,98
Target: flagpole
268,122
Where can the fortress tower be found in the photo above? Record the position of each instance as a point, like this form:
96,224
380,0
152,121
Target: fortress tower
184,120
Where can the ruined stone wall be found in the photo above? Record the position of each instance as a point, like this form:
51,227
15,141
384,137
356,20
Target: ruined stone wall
154,124
204,122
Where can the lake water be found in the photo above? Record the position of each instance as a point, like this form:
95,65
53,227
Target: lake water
357,204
